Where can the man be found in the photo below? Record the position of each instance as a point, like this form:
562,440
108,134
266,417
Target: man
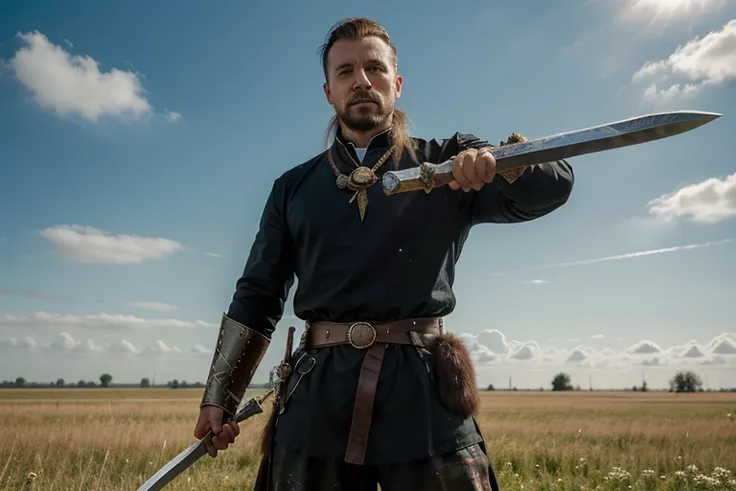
377,391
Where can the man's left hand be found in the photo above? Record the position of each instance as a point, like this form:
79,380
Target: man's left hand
472,169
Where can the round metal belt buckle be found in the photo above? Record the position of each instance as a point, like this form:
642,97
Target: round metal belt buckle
361,335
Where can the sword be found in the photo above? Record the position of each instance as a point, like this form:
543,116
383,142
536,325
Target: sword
619,134
189,456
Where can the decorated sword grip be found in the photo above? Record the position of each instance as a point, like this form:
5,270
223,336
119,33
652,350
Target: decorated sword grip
428,176
425,177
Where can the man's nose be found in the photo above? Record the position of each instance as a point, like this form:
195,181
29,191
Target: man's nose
361,80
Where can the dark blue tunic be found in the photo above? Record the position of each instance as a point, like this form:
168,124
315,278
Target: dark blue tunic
399,262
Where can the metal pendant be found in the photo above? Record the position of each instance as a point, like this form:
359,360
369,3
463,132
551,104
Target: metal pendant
342,181
362,177
362,195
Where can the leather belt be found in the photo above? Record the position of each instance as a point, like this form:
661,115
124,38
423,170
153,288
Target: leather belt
374,338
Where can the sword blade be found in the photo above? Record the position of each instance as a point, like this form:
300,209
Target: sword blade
188,457
175,467
609,136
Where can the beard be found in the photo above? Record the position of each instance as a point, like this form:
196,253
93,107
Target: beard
364,117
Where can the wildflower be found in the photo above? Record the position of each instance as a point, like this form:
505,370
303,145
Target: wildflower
648,474
617,474
703,481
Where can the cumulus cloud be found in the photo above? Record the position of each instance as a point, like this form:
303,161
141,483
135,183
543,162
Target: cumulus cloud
74,84
90,245
710,201
66,343
491,347
159,306
98,321
702,62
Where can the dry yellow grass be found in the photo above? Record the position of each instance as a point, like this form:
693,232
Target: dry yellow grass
114,439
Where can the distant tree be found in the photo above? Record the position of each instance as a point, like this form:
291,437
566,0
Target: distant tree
561,381
60,382
145,382
174,384
105,379
20,382
491,387
644,387
81,383
686,382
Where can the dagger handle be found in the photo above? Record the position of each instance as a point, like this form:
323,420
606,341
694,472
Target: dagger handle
253,406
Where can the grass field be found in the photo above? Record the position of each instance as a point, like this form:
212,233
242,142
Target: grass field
114,439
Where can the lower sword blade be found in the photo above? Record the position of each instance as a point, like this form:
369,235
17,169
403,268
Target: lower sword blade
176,466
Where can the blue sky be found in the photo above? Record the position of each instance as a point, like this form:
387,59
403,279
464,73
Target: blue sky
139,143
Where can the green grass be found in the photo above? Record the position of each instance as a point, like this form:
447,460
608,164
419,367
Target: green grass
114,439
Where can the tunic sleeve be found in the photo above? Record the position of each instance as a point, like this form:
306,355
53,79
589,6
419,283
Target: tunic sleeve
262,289
540,190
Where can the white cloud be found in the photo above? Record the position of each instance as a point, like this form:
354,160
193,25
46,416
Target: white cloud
213,254
528,363
65,342
597,336
537,282
491,347
98,321
661,11
88,244
159,306
159,347
74,84
644,348
701,62
172,116
710,201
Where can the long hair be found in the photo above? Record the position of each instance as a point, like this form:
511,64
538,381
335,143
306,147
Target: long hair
358,28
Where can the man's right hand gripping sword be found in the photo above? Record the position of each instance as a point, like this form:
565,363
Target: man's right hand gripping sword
238,353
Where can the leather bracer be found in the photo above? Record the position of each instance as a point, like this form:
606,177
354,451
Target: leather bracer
238,353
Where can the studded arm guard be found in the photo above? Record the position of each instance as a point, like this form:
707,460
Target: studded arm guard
238,354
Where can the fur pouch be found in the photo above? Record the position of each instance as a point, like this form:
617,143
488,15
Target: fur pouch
454,375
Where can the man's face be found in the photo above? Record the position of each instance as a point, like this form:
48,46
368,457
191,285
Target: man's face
363,85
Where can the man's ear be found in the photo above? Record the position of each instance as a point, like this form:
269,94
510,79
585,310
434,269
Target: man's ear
326,89
399,83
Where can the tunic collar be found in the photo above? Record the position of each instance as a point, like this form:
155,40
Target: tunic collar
344,149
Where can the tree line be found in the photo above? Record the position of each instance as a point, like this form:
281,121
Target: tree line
683,381
105,380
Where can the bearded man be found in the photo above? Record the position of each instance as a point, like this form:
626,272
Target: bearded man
376,392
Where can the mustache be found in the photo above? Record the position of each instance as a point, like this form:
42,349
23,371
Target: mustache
364,97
